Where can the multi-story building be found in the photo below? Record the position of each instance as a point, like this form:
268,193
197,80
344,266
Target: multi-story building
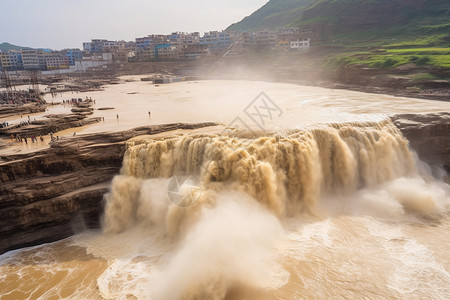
151,40
183,38
283,45
177,45
98,45
286,31
166,52
193,51
175,38
145,54
87,47
191,39
56,60
30,59
120,53
42,60
300,44
73,55
265,40
216,40
11,60
144,42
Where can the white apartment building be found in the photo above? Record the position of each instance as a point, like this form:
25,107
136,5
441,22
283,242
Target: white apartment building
300,44
30,59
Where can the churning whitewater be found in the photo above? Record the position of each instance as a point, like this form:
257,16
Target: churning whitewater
234,238
339,210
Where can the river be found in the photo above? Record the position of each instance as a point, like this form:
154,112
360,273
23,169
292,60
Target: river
317,195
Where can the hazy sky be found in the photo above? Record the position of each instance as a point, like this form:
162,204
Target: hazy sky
62,24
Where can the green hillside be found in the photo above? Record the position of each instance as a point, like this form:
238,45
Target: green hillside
7,46
416,22
274,14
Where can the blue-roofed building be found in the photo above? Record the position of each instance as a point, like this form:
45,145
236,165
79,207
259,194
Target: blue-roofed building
73,55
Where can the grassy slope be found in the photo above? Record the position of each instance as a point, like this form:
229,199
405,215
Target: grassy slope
274,14
398,26
438,57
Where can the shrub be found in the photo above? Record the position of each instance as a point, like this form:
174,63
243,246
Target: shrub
389,62
423,60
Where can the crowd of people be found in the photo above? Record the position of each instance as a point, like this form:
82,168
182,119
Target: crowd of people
18,97
77,101
24,139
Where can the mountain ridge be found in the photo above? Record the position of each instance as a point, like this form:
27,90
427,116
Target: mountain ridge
5,47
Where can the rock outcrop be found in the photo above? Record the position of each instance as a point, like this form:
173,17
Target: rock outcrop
53,123
14,110
50,194
428,135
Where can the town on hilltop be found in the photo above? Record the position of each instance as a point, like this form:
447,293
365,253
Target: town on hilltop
155,47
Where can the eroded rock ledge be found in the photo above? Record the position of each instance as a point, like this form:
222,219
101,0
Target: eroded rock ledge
51,194
428,135
48,195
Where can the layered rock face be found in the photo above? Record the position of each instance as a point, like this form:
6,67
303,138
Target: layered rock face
428,135
51,194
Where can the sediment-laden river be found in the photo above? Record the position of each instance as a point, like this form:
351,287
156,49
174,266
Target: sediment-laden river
317,195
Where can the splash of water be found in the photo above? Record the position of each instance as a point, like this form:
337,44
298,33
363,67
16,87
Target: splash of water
227,238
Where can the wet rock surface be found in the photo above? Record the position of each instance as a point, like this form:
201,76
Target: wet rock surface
13,110
51,194
428,135
54,122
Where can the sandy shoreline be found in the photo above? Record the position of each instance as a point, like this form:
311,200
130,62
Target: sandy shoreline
178,102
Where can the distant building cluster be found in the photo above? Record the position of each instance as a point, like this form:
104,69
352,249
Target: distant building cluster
32,59
180,45
175,46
